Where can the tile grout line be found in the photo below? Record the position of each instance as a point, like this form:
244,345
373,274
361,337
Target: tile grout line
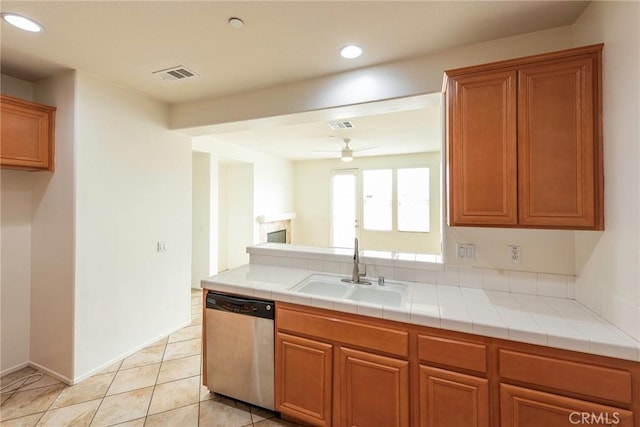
153,392
105,393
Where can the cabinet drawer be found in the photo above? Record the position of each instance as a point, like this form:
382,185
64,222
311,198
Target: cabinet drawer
339,329
454,353
524,407
588,380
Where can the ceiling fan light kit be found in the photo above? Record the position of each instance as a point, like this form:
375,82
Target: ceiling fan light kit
346,155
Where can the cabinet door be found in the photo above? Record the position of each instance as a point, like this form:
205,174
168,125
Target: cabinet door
303,379
373,390
452,399
521,407
482,149
27,136
558,145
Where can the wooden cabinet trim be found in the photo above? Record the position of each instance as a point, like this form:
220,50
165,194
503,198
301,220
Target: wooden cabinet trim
515,63
520,406
453,353
341,330
588,380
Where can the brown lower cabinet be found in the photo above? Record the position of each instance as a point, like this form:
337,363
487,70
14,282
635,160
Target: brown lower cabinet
304,379
347,370
372,389
452,398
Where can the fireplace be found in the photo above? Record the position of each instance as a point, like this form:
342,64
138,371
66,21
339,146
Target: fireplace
276,227
278,236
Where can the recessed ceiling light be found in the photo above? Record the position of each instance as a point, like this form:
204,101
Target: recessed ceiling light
22,22
351,51
236,22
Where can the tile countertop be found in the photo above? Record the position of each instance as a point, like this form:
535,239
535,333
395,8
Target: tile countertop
553,322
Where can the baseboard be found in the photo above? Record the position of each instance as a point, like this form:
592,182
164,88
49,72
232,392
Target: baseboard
51,373
14,368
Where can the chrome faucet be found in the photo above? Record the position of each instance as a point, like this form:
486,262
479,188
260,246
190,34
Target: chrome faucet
356,275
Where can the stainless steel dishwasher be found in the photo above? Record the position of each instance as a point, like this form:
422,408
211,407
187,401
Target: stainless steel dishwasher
240,344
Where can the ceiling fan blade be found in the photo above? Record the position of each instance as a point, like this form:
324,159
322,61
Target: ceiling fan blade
369,147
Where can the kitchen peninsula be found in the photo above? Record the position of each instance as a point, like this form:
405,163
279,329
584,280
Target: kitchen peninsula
497,357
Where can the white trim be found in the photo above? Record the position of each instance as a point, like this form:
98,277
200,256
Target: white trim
276,217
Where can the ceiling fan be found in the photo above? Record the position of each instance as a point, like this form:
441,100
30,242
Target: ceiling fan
346,153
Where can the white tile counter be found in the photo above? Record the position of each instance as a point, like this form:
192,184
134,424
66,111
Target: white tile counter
543,320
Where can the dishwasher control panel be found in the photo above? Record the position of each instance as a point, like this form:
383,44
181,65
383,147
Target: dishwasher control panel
240,305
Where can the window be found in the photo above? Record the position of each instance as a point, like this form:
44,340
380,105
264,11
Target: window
413,199
343,208
406,200
377,198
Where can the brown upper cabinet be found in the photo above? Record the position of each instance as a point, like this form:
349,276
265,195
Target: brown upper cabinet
27,135
524,141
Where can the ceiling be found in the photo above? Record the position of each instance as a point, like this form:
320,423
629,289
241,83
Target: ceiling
125,42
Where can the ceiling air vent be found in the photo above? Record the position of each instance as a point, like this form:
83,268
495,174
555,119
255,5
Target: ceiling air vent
175,73
341,125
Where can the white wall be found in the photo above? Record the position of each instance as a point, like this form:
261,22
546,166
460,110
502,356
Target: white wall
15,275
16,87
240,216
271,190
312,203
392,80
15,252
222,227
52,238
608,267
133,188
542,251
200,218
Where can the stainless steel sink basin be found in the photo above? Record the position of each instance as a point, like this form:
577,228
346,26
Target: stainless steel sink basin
390,294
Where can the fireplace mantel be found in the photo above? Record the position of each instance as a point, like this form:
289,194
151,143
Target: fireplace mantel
275,222
286,216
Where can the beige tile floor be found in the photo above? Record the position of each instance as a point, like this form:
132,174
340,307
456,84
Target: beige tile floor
158,386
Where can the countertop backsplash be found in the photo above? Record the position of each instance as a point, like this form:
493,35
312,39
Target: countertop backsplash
420,268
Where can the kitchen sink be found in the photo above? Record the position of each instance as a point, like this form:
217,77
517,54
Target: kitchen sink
390,294
378,295
324,288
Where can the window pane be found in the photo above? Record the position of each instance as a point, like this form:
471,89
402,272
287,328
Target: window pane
376,203
343,221
413,199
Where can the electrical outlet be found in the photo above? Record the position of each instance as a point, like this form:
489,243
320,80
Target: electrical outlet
162,245
465,251
514,254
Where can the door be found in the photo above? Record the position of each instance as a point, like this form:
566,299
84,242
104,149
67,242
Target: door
344,211
482,149
373,390
304,379
452,399
556,149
